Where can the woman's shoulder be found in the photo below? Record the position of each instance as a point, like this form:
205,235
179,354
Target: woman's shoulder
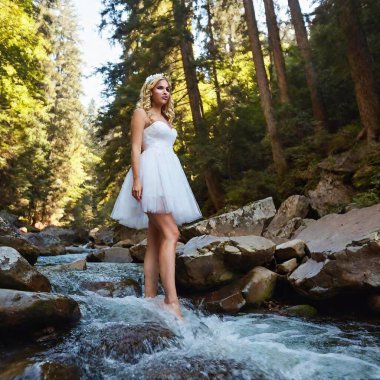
140,113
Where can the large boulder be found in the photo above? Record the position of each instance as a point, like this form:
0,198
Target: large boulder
344,255
248,220
330,195
28,250
68,236
48,245
206,262
131,235
102,235
27,311
253,289
288,218
17,273
138,251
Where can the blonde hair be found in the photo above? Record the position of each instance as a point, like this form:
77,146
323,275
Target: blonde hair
145,100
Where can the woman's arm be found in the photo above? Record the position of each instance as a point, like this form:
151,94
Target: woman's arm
137,130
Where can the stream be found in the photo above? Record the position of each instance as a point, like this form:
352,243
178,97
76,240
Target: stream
121,338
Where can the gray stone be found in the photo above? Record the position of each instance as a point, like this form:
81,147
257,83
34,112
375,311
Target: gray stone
110,255
292,249
288,217
287,266
27,250
248,220
300,310
75,265
17,273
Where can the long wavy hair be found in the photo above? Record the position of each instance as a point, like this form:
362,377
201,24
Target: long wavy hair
145,100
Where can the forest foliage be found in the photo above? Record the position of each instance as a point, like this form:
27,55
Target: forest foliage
61,163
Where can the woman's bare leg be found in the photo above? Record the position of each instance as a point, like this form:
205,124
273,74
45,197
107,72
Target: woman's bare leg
151,264
166,256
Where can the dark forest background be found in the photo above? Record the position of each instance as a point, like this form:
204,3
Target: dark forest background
259,106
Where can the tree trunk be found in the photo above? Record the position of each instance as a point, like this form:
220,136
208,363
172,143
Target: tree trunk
303,44
361,66
265,97
275,46
181,18
213,52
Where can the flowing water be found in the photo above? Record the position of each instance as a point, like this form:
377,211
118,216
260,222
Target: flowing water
119,338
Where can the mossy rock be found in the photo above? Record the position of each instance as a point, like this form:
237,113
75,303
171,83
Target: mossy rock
301,310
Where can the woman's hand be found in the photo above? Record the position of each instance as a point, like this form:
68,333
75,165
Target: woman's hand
137,189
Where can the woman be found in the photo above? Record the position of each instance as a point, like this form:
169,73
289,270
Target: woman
155,193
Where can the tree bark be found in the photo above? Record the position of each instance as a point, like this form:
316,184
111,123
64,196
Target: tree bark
181,18
319,111
265,97
361,66
275,46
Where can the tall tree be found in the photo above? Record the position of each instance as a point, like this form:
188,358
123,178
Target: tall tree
304,47
361,66
275,46
181,12
265,96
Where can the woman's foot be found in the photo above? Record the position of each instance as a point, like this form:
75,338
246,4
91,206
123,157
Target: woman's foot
174,308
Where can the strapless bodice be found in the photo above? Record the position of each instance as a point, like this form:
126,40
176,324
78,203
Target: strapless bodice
159,134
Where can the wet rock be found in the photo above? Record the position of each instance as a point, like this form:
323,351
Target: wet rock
353,269
27,250
288,217
258,285
20,310
75,265
206,261
125,287
68,236
48,245
77,249
124,233
125,342
16,273
127,243
110,255
193,367
374,303
330,195
254,288
25,369
292,249
102,235
287,266
248,220
138,251
300,310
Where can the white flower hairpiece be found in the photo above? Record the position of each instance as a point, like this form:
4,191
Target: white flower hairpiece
154,76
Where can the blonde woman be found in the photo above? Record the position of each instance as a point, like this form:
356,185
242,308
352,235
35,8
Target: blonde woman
155,193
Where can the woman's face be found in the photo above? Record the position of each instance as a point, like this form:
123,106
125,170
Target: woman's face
161,93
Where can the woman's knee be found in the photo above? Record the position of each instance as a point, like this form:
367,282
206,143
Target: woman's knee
171,233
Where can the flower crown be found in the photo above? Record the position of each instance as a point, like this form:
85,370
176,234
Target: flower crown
153,77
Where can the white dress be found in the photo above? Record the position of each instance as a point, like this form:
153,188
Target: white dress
165,188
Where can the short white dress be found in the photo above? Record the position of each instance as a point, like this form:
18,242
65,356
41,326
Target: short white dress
165,188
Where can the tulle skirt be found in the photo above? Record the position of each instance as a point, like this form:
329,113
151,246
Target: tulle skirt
165,189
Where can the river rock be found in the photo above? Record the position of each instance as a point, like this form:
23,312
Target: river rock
248,220
194,367
27,250
20,310
16,273
330,195
48,245
127,343
110,255
288,218
138,251
80,264
355,268
206,262
102,235
26,369
125,287
300,310
68,236
292,249
287,266
254,288
374,303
